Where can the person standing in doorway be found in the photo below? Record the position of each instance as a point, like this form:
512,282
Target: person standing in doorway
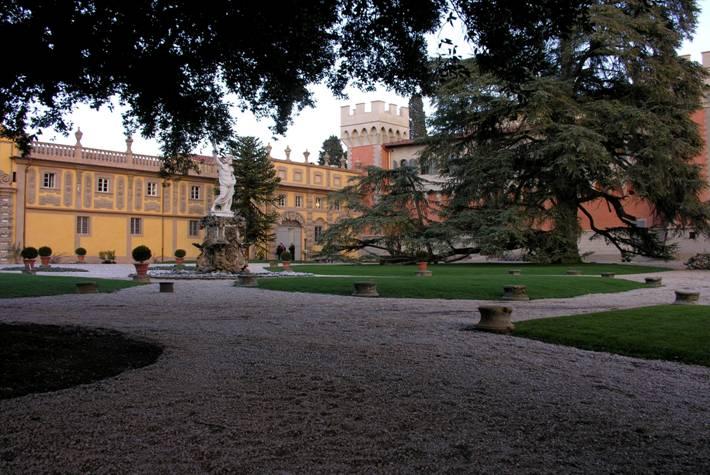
292,250
280,250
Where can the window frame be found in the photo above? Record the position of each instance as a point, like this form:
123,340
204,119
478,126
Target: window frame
106,181
148,186
190,224
139,221
53,180
79,228
198,195
281,200
298,202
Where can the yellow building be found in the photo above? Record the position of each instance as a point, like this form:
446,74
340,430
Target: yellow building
69,196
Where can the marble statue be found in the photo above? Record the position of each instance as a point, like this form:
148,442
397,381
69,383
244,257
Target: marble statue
222,205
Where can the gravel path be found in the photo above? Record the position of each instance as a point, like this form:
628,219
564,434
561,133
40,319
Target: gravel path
260,381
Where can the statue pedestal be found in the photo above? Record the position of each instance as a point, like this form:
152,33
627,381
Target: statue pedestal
221,249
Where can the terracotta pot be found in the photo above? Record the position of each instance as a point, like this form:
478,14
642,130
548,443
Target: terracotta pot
179,260
421,266
141,270
80,258
286,265
29,264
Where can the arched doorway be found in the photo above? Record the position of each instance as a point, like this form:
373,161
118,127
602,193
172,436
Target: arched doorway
290,231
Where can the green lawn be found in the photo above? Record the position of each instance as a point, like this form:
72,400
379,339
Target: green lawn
454,281
23,285
665,332
468,269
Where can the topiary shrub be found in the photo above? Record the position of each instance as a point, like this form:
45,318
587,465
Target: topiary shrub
29,253
80,251
285,256
180,253
141,253
45,251
699,262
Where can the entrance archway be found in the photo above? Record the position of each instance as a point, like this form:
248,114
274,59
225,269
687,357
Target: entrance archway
290,231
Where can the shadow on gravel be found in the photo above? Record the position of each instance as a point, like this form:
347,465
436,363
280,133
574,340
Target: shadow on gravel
39,358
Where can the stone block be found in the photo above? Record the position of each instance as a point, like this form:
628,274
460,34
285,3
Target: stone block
246,280
685,297
515,292
495,318
365,289
574,272
608,275
167,287
86,288
654,281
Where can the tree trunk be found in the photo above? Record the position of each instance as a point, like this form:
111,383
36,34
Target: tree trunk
566,233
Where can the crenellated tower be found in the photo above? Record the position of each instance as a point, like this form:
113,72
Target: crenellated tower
365,132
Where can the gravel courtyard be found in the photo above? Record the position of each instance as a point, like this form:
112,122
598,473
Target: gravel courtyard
260,381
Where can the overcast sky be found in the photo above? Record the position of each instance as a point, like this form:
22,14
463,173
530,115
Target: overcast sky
103,129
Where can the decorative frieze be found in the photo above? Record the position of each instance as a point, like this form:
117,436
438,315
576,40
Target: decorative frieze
103,203
138,204
88,190
151,206
183,198
49,199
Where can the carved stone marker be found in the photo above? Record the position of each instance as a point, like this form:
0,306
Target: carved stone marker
86,288
515,292
685,297
574,272
608,275
514,272
654,281
168,287
365,289
495,318
423,273
246,280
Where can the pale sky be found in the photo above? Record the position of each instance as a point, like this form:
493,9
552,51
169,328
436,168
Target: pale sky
103,128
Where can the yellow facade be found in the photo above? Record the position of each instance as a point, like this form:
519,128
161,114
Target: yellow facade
66,197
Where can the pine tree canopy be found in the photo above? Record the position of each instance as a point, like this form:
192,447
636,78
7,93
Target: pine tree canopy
179,66
331,152
601,119
254,190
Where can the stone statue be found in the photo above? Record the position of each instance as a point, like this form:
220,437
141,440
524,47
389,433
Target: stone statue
222,205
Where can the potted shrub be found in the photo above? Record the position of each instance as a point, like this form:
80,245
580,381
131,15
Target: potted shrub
141,254
180,256
286,259
45,253
80,254
29,254
422,257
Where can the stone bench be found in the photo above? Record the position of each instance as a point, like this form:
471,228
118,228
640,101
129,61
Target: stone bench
167,287
514,272
86,288
608,275
654,281
423,273
495,318
365,289
515,292
686,297
246,280
574,272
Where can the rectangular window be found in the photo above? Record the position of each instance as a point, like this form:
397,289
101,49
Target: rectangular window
151,189
318,233
336,181
82,225
194,192
136,226
281,200
299,201
319,203
282,174
194,227
102,185
335,205
297,176
318,179
49,180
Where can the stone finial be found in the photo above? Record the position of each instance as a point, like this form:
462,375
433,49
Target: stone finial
268,150
78,134
287,151
129,144
306,154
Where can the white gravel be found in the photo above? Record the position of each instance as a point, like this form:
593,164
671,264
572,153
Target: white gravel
261,381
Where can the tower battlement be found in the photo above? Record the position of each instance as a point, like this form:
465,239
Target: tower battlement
381,124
